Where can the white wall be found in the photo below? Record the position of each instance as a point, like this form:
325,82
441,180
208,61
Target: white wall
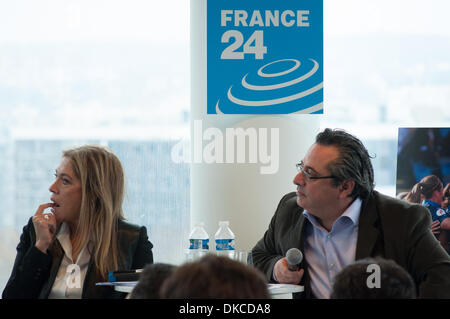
237,192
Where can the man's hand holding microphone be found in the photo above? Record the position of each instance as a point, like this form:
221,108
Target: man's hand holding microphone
287,270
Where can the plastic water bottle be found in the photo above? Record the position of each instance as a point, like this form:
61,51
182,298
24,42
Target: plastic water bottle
224,237
199,239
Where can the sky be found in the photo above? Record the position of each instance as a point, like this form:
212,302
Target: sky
94,20
401,17
168,21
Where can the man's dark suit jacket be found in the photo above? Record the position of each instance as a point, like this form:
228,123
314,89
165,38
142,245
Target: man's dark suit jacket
34,272
388,228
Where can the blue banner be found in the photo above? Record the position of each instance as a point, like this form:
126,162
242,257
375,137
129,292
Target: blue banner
265,57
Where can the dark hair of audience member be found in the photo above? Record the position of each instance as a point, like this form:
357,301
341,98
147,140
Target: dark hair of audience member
150,281
352,281
215,277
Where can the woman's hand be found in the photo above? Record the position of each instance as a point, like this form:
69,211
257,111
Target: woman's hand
45,227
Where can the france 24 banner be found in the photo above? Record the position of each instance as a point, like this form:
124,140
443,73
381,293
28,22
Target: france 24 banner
264,56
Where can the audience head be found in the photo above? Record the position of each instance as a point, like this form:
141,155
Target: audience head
151,280
432,189
446,199
373,278
353,162
215,277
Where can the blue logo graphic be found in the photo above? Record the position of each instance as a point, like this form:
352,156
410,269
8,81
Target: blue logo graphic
282,90
265,57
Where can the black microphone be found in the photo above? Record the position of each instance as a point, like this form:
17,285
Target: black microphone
294,257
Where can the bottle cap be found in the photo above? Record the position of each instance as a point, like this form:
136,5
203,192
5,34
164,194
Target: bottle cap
224,223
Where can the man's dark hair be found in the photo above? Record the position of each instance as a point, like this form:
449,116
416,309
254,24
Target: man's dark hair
352,281
215,277
150,281
353,162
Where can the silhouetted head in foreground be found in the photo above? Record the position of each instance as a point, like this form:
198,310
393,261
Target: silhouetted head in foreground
215,277
373,278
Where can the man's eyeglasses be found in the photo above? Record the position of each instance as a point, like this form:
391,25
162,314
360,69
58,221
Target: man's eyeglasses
308,175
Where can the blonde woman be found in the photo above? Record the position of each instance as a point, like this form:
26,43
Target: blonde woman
64,253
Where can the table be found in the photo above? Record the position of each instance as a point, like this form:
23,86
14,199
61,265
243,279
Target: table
277,291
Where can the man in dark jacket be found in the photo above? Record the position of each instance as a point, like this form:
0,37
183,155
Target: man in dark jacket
336,217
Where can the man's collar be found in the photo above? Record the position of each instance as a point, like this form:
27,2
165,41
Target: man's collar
352,212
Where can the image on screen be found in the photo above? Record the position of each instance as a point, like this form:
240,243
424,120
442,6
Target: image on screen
422,152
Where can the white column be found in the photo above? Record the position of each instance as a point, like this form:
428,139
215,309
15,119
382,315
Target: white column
239,192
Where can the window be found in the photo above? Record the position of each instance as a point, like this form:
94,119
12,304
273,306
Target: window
111,73
387,65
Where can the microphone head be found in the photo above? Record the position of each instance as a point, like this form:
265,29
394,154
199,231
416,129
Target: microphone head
294,256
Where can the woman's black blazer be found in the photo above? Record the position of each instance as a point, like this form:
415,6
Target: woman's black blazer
34,272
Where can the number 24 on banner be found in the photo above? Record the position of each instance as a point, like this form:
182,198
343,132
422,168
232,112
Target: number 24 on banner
254,45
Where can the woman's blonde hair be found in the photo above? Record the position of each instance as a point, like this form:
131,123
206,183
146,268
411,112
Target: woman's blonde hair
102,185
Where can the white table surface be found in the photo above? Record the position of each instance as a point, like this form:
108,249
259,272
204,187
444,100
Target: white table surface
277,291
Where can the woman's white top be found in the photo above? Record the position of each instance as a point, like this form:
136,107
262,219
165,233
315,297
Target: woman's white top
70,278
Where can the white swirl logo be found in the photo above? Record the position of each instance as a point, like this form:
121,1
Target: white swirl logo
293,92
